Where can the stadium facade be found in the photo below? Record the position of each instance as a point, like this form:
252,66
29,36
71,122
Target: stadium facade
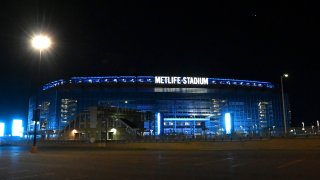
167,105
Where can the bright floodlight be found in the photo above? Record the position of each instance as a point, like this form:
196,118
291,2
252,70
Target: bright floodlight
2,129
41,42
286,75
227,122
158,120
17,129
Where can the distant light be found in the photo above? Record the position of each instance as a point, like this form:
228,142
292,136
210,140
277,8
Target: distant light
74,131
41,42
17,129
126,102
2,126
227,121
114,130
286,75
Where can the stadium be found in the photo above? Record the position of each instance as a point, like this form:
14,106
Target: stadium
120,107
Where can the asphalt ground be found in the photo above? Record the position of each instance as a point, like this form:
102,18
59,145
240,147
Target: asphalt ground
275,159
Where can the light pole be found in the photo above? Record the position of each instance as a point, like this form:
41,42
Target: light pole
39,42
283,105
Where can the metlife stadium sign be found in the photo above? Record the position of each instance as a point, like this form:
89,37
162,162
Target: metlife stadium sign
181,80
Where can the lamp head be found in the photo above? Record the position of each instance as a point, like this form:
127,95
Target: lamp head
41,42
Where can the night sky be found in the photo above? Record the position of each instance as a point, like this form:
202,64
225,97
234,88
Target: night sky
251,40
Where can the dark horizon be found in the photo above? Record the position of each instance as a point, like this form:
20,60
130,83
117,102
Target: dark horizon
252,40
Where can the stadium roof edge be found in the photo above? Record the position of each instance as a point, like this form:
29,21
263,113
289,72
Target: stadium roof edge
151,80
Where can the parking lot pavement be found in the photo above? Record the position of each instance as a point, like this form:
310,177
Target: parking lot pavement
100,163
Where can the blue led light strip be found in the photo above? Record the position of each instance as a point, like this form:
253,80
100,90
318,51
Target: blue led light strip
151,80
186,119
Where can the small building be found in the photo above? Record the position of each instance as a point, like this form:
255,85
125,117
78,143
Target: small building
100,123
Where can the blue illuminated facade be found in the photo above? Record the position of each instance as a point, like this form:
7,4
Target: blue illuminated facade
194,107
